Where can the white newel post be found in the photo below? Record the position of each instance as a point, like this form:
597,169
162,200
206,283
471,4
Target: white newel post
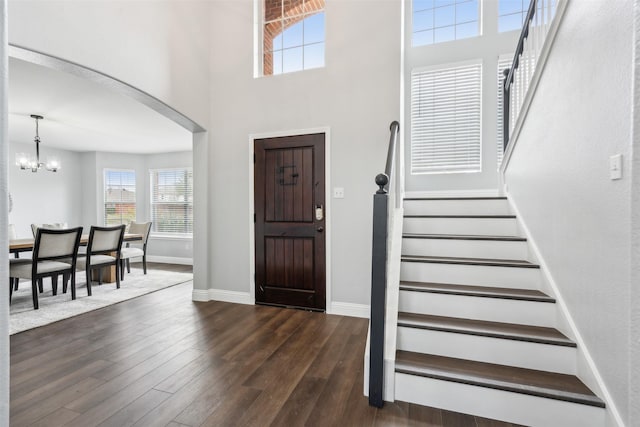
4,217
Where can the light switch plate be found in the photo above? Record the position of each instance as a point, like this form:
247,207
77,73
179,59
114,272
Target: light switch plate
338,193
615,166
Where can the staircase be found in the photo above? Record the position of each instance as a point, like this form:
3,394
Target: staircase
475,332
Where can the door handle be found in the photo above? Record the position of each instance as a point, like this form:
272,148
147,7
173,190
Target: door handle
320,229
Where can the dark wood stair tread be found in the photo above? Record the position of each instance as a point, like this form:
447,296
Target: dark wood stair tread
457,198
463,237
520,380
477,291
483,328
463,216
469,261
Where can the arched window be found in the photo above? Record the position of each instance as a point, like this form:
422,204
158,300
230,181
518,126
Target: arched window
293,35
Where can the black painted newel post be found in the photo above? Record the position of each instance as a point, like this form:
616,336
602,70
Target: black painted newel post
378,291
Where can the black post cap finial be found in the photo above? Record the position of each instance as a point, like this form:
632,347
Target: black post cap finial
381,181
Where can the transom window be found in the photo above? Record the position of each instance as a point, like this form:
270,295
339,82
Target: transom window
293,35
119,196
511,14
436,21
172,200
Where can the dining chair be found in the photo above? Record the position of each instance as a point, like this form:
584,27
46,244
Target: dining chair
103,250
54,253
144,229
16,258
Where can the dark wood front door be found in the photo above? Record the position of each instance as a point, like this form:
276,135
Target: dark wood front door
290,221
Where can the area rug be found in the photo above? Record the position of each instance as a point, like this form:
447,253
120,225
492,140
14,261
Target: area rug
54,308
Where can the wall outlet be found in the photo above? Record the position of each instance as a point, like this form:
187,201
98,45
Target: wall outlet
338,193
615,166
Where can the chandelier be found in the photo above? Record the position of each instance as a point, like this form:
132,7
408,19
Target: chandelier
27,162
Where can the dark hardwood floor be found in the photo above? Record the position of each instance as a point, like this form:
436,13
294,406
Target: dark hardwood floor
163,360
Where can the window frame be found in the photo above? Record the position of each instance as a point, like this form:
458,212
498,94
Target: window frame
105,171
152,218
260,22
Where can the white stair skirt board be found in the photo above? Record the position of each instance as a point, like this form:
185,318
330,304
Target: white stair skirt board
481,275
498,249
522,354
473,226
504,310
457,207
485,402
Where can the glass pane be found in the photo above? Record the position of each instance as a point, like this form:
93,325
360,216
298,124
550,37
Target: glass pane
439,3
277,62
506,7
422,5
510,22
314,28
467,11
422,38
292,60
444,34
445,16
314,56
464,31
292,35
423,20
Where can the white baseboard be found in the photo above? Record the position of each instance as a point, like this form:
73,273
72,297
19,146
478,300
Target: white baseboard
221,295
490,192
349,309
170,260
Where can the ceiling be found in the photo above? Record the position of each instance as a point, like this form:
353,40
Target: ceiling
81,115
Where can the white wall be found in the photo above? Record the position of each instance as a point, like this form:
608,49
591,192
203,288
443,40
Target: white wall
356,95
157,46
558,178
45,197
634,335
487,48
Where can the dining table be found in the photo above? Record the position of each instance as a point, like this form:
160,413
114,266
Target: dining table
26,245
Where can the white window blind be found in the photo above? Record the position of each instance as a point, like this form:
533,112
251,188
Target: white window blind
503,62
172,201
119,196
446,119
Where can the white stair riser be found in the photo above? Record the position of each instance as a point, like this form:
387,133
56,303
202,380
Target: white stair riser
457,207
497,249
522,354
485,402
473,226
479,308
481,275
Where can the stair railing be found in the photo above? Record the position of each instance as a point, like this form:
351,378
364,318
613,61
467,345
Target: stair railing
520,80
382,218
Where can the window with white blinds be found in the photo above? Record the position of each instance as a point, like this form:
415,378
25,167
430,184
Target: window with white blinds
172,201
446,119
503,63
119,196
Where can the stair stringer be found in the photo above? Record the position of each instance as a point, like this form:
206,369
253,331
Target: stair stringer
394,247
586,368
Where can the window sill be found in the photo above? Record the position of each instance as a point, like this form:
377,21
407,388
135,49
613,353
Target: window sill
160,236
